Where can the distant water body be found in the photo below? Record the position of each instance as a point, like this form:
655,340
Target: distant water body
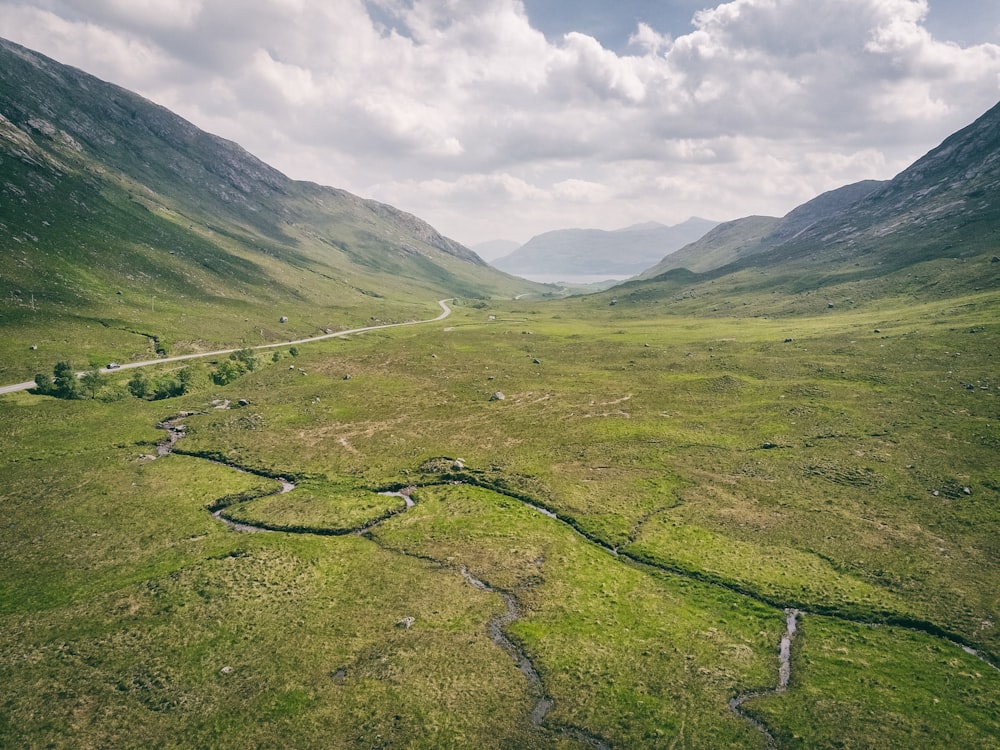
572,278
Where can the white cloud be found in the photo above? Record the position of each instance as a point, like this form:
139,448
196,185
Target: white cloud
460,111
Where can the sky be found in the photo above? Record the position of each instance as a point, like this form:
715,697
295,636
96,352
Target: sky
503,119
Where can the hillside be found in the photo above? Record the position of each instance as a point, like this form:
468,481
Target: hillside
117,215
932,232
622,252
739,239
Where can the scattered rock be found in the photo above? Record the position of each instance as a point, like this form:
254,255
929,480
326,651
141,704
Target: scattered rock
406,622
34,347
283,319
498,396
347,377
226,670
536,362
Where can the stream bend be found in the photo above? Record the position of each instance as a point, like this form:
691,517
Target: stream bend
176,430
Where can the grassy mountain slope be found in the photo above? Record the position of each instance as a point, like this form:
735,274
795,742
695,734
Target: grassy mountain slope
720,246
125,228
739,239
932,232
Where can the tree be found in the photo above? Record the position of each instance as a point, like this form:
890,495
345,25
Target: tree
186,379
92,380
138,385
246,358
43,384
227,372
64,382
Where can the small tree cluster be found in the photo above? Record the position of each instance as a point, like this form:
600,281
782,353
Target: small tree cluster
61,384
167,385
238,364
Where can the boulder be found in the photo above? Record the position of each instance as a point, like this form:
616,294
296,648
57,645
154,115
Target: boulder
498,396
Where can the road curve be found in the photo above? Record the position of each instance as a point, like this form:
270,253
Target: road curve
445,312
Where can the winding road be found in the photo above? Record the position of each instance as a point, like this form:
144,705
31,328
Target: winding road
443,303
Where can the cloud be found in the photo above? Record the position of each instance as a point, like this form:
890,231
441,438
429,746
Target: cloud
438,104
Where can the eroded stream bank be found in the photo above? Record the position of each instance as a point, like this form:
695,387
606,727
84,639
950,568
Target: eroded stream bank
496,626
784,676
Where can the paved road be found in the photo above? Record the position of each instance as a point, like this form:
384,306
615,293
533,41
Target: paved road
445,312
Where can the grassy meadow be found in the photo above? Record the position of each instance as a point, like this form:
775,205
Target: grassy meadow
699,473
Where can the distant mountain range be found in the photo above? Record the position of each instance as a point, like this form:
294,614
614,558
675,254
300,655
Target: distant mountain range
619,253
493,249
741,238
945,205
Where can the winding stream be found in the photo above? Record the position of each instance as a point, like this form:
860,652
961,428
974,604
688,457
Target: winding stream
496,626
784,675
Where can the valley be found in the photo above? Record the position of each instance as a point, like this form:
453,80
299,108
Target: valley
735,475
746,499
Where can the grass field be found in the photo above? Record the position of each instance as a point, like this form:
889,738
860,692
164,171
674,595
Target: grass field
736,466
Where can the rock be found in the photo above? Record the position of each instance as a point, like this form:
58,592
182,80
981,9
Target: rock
995,259
878,330
406,622
458,465
34,347
226,670
244,402
283,319
347,377
768,446
536,362
967,490
498,396
788,341
829,305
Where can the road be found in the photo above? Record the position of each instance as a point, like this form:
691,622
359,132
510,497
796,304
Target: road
446,311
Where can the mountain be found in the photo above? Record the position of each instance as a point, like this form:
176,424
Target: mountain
117,214
494,249
947,204
622,252
932,232
721,245
742,238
